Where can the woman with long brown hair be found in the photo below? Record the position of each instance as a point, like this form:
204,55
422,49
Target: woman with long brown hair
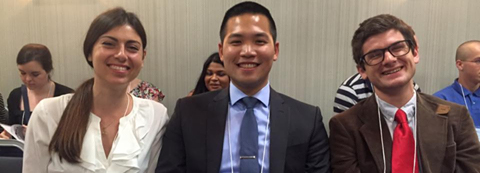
100,128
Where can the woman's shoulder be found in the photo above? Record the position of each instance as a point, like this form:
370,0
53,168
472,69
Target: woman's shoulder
149,104
62,89
15,94
53,106
150,109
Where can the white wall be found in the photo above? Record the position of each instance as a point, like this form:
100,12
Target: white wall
314,35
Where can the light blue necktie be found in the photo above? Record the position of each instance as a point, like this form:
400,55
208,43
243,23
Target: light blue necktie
249,139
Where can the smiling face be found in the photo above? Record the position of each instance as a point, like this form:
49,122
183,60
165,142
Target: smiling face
117,55
216,78
33,75
248,51
393,72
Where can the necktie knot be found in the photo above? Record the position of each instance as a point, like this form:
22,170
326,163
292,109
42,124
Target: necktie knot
249,102
400,116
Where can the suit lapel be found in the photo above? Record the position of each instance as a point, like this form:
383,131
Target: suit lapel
279,127
370,131
218,110
432,134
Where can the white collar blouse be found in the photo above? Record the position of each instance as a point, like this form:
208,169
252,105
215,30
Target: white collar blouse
135,149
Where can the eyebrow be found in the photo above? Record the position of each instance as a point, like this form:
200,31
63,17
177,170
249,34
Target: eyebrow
386,48
109,37
116,40
28,71
237,35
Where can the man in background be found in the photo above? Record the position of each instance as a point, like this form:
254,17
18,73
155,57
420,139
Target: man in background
465,90
353,90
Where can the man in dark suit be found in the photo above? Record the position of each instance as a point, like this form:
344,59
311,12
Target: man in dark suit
207,132
398,129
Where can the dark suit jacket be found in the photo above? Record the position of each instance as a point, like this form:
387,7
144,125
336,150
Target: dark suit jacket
447,140
193,141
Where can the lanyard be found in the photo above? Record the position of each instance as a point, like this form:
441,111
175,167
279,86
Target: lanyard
230,144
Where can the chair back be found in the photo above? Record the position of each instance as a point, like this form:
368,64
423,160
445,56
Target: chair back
11,156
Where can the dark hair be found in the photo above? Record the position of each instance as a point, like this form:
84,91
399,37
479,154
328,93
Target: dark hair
68,137
201,86
36,52
107,21
376,25
250,8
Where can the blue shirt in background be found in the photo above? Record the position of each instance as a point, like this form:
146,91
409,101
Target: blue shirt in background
236,111
453,93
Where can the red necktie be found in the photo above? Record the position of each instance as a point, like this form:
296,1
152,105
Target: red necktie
403,146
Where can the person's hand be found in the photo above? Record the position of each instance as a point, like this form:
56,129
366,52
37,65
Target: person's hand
5,135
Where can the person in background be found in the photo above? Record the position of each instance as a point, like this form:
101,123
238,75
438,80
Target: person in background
465,90
353,90
146,90
100,128
213,76
3,116
35,66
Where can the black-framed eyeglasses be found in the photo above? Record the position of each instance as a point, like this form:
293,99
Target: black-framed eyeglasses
396,49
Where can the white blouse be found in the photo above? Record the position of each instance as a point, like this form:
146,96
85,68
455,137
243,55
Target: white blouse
135,149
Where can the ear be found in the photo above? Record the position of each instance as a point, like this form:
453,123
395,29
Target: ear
143,57
89,58
459,65
277,50
416,56
220,51
362,72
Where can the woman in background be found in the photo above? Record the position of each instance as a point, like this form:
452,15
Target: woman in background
100,128
34,63
213,76
3,116
145,90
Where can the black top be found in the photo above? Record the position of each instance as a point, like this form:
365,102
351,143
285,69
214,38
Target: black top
3,111
15,114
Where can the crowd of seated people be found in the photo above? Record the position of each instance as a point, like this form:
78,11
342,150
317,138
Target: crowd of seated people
233,120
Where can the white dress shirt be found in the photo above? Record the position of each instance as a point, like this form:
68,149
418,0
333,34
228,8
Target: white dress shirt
389,111
236,111
135,149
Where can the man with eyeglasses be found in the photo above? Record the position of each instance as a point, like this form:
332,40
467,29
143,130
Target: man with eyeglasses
465,90
398,129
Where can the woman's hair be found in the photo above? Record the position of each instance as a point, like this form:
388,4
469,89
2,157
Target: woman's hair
201,86
36,52
68,138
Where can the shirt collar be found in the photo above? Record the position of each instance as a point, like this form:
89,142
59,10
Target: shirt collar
263,95
389,110
457,87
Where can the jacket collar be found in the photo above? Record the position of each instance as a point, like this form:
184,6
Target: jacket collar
279,123
431,134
